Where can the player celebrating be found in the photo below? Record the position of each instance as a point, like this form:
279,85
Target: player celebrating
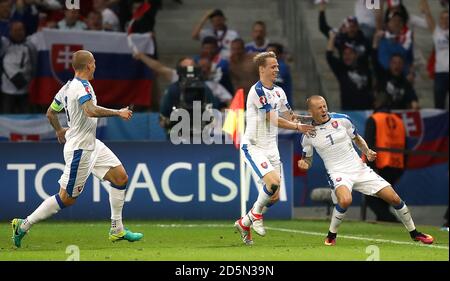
83,153
346,171
259,143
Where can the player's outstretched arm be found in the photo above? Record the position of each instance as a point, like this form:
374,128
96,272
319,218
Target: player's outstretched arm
286,124
54,121
93,110
305,163
364,148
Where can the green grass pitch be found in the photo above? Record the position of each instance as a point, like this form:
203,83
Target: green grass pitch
293,240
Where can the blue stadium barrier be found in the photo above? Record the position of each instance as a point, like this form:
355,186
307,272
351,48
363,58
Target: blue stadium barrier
165,181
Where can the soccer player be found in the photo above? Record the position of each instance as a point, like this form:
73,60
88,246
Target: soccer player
83,153
265,101
346,171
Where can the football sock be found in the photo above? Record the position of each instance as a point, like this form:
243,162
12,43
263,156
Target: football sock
48,208
263,199
404,215
336,218
116,201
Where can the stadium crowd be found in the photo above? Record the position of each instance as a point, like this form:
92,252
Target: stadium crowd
370,53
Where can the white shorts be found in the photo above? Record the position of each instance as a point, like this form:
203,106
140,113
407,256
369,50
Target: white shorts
365,181
81,163
261,161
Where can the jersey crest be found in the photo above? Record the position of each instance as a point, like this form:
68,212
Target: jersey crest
335,124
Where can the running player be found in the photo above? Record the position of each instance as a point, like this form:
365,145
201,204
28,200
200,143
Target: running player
346,171
83,153
264,103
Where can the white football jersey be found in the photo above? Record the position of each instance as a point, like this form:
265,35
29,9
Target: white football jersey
260,100
333,141
82,129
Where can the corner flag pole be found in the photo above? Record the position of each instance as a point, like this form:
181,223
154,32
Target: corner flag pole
242,166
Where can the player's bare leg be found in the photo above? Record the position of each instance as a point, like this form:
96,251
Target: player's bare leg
48,208
118,178
344,198
401,210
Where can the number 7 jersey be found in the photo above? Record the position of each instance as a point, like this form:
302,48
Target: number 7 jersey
333,142
82,129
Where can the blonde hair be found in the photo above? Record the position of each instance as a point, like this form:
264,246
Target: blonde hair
260,59
311,98
80,59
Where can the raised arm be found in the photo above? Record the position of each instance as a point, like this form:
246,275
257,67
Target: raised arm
156,66
93,110
199,26
425,8
323,24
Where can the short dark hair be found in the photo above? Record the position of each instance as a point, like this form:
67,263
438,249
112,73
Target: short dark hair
259,22
238,40
397,55
209,40
277,46
215,13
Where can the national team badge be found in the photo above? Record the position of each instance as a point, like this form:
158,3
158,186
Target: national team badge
338,179
278,94
264,165
335,124
263,100
61,61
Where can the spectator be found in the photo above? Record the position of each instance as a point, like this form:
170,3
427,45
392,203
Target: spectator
242,69
260,42
222,95
71,21
110,19
5,13
366,19
219,66
397,39
392,81
94,21
385,130
219,30
354,77
396,6
18,63
440,39
171,75
284,79
144,21
26,12
349,33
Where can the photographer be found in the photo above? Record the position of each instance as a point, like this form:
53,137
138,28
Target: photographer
181,94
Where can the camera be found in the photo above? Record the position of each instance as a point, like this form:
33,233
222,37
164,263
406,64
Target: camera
192,87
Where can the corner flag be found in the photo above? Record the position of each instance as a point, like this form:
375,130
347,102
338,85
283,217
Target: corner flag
234,121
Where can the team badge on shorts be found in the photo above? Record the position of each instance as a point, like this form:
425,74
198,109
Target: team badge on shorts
264,165
80,188
338,179
334,124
